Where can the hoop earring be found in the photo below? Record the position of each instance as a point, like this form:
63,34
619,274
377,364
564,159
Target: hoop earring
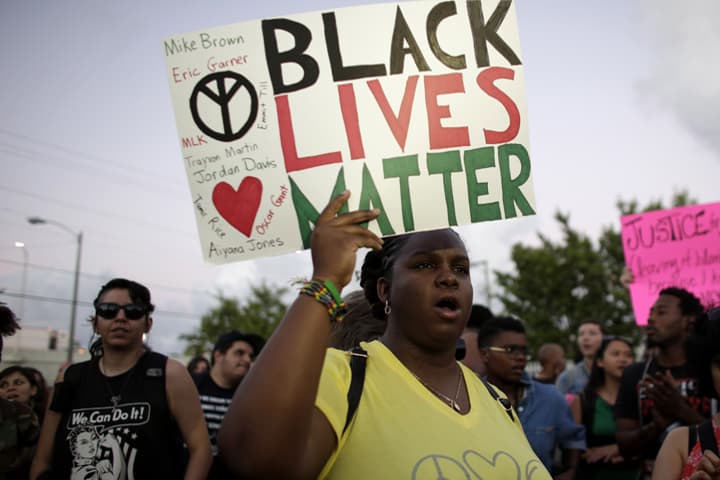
387,309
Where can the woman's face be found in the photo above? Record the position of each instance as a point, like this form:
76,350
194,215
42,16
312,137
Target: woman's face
429,288
616,357
17,388
589,339
121,331
86,444
200,368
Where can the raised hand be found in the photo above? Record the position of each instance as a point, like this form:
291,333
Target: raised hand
337,238
708,468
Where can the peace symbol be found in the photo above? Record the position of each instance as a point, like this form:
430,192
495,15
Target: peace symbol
222,96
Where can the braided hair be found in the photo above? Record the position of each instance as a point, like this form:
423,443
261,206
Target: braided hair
379,264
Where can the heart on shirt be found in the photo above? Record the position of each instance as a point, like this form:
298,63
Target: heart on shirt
484,468
239,207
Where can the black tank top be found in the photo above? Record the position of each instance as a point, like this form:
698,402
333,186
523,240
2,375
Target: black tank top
134,439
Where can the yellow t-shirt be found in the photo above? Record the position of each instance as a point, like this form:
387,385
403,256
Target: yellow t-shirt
402,431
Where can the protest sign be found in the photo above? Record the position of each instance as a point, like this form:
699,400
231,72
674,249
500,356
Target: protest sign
417,108
673,248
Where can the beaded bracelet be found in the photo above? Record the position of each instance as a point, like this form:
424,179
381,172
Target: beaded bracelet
327,294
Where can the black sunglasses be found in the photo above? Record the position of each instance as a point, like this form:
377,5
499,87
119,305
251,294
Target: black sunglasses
108,311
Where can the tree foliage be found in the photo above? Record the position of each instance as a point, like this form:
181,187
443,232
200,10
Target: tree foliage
260,313
558,284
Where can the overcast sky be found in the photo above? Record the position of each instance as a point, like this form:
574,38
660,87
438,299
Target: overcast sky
623,102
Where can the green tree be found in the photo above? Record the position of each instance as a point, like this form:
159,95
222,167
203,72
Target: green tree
260,313
558,284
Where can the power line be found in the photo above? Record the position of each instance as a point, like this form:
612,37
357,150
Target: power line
98,276
122,179
67,301
78,153
85,209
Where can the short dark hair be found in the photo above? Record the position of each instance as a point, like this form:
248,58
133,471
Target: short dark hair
8,321
689,303
138,293
479,314
226,340
495,326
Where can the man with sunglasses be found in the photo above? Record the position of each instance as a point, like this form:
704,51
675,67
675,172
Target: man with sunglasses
544,414
232,357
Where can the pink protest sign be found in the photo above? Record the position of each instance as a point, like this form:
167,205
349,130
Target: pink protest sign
673,248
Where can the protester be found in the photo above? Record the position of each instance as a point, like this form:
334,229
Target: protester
198,365
551,357
358,325
479,314
19,426
692,452
545,415
593,408
662,393
127,411
20,384
573,380
417,405
232,357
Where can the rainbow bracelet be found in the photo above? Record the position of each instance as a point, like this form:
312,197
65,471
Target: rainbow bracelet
327,294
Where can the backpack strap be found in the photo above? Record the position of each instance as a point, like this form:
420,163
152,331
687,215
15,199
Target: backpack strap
707,437
692,437
502,401
358,361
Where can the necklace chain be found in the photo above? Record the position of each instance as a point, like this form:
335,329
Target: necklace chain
115,399
452,402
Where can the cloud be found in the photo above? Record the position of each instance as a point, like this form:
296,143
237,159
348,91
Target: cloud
683,39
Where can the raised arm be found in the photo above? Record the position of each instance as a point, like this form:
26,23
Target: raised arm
272,428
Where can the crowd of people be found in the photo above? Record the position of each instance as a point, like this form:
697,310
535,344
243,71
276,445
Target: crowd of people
405,378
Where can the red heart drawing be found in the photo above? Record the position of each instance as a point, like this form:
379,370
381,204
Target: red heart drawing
239,207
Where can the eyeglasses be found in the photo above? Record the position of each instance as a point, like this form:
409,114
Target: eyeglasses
108,311
512,351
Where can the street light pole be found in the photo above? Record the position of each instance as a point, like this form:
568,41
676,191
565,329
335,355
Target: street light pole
73,311
26,256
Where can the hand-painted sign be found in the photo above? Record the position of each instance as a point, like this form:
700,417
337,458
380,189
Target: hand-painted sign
423,116
673,248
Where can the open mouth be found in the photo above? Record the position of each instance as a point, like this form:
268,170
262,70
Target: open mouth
449,304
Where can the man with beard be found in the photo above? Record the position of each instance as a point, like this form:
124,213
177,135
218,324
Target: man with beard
544,414
232,357
661,393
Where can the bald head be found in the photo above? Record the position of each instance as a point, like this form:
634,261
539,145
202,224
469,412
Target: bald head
552,362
